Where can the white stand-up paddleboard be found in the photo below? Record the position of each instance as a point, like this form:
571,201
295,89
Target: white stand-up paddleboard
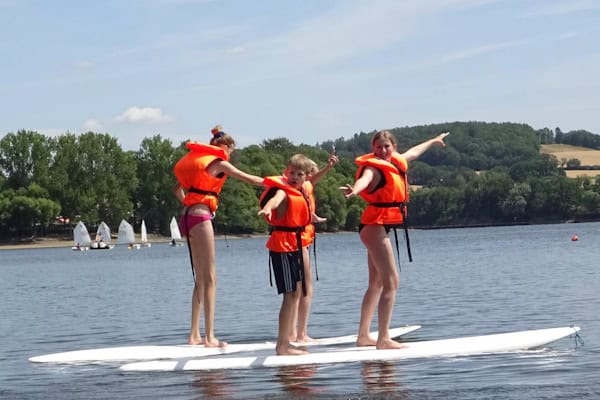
141,353
497,343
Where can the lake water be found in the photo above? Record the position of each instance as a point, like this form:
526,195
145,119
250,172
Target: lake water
462,282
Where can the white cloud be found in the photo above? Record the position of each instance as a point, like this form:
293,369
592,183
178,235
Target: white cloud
92,125
146,115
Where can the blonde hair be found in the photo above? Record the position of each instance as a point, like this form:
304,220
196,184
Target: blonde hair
219,137
301,162
383,135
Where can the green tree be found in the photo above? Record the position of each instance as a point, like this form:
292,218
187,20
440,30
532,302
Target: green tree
331,203
110,179
238,208
590,202
155,201
25,158
573,163
514,206
26,211
67,179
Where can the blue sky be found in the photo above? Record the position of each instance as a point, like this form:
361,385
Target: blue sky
308,70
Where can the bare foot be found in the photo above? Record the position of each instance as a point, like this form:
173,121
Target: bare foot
289,351
389,344
195,340
365,341
215,343
304,339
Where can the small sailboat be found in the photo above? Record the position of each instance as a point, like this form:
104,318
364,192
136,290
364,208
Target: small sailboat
175,233
103,240
126,235
145,242
81,237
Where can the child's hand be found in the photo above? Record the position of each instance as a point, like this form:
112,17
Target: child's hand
348,191
266,212
439,140
315,219
333,159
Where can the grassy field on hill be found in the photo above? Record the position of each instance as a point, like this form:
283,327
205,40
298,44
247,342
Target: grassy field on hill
583,154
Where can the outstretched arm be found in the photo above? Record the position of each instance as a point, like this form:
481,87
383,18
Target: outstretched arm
333,159
415,152
226,167
360,184
273,203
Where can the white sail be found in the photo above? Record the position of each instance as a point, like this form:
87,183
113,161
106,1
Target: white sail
175,234
144,238
126,234
103,233
80,235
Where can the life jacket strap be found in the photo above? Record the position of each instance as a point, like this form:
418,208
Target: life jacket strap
298,231
189,246
391,204
315,254
404,211
202,191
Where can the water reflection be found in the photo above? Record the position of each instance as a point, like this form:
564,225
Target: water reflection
380,377
213,384
296,379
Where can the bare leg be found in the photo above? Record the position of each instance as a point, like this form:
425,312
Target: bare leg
293,329
382,257
290,301
305,301
195,338
203,253
370,300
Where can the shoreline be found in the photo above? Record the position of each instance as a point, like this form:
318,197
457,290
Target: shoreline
49,242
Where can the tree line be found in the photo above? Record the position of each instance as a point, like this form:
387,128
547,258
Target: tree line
489,173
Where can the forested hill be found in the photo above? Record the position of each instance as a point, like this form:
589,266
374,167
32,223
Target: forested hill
488,173
474,145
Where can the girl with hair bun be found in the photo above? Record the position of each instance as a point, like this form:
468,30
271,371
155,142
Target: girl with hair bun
201,174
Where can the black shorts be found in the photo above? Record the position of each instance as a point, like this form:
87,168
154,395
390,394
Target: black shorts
287,270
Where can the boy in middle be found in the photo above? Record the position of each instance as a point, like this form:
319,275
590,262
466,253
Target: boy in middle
286,208
299,332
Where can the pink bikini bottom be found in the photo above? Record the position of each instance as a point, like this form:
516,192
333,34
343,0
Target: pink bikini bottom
192,220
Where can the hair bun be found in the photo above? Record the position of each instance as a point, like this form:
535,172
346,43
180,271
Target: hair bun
217,130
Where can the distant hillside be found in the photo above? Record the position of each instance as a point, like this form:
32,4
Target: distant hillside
588,157
474,145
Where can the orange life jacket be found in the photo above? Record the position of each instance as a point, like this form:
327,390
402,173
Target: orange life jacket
190,170
387,202
288,230
309,190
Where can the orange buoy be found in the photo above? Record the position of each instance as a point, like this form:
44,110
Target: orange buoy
574,238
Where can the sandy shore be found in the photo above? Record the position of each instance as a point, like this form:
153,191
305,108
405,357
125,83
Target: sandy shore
41,243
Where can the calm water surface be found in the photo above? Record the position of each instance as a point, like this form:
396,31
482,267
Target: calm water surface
462,282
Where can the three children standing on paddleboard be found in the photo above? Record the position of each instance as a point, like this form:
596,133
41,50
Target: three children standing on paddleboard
288,206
